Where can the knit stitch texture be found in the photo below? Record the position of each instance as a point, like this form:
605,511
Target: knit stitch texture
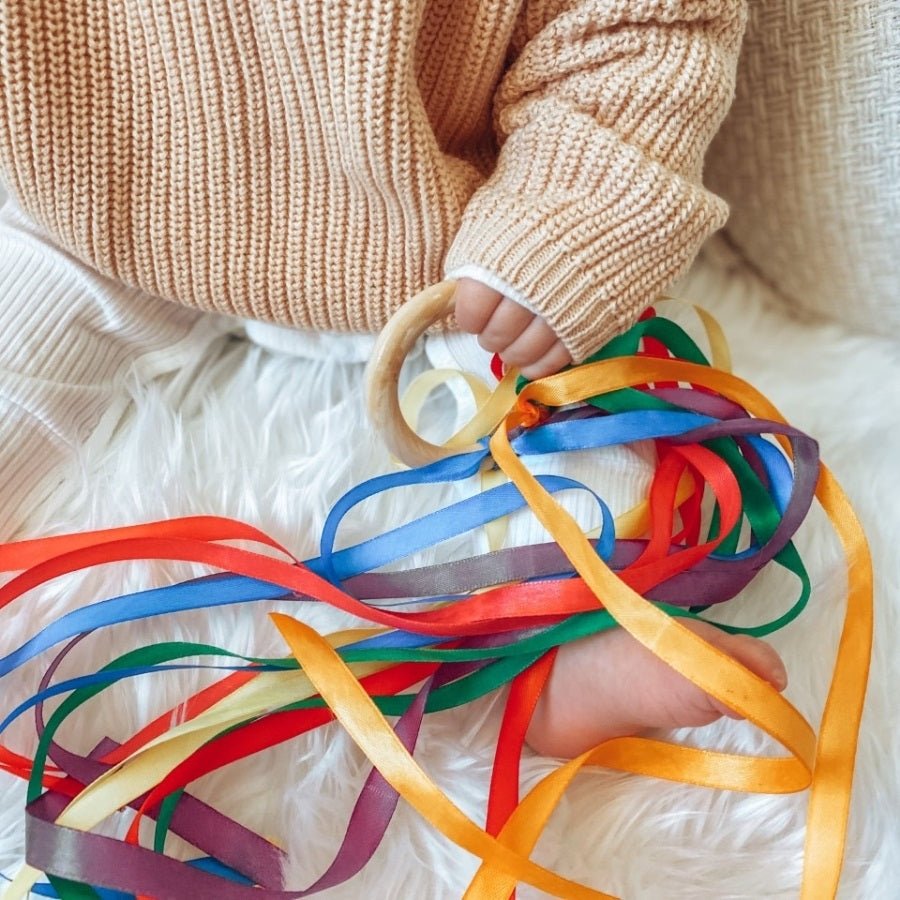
809,156
316,163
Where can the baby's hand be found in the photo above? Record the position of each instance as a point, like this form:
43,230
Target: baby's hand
521,338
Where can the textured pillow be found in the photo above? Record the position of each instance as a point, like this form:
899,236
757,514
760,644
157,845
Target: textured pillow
809,157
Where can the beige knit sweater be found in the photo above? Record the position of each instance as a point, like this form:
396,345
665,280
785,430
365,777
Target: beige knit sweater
316,162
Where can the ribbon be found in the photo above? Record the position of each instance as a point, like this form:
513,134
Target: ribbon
491,620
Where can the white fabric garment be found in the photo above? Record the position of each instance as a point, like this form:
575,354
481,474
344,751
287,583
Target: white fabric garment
621,475
71,338
809,156
73,342
76,338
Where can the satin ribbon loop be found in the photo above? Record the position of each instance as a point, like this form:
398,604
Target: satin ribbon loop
731,486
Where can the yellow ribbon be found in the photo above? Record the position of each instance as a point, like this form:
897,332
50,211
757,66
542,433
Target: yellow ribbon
491,408
719,352
365,724
150,764
826,764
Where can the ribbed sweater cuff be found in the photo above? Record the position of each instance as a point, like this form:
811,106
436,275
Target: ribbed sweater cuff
587,228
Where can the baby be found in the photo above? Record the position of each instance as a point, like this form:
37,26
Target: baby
313,164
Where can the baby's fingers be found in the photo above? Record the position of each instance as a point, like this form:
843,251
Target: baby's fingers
556,358
521,338
474,304
508,322
530,346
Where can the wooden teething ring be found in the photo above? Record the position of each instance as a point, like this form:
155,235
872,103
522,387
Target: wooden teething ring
392,347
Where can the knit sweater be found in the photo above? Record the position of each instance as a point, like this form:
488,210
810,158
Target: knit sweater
316,162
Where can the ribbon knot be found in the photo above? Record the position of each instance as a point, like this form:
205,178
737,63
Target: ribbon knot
530,413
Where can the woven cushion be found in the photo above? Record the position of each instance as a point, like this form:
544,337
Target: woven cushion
809,157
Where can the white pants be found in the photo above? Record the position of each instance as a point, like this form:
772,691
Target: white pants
69,341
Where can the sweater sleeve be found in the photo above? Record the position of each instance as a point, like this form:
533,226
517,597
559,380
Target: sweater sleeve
596,204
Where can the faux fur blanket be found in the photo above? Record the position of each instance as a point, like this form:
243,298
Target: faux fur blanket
274,441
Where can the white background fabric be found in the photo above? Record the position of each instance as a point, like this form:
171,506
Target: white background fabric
274,441
809,156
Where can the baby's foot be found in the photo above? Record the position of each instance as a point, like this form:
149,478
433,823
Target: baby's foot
609,685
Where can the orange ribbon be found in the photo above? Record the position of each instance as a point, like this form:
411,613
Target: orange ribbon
824,764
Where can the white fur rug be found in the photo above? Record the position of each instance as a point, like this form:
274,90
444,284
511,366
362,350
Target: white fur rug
274,441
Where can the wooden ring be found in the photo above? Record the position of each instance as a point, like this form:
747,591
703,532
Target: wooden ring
383,372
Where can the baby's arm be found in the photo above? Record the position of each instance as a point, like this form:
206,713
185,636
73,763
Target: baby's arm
596,205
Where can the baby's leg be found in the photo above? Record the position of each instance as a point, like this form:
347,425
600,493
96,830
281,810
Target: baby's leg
609,686
70,339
